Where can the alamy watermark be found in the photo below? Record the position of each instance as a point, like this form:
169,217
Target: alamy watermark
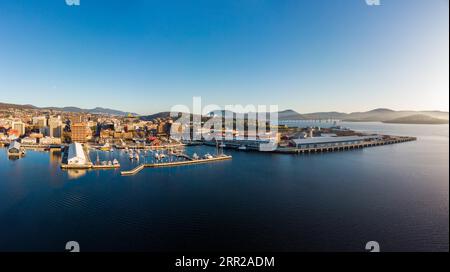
72,2
73,246
368,2
373,246
257,124
373,2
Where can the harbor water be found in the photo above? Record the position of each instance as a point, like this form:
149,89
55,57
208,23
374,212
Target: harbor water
397,195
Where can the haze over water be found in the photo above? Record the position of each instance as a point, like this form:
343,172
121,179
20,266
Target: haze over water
397,195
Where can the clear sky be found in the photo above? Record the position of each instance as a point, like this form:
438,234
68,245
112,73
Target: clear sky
145,56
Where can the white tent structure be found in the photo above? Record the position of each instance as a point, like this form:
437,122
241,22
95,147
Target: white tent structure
76,154
14,149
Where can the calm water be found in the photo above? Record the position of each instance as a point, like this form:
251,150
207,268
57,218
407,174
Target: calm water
397,195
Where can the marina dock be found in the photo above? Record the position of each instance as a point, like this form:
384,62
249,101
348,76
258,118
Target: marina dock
87,164
171,164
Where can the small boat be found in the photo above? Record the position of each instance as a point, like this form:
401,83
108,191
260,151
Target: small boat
222,145
242,147
115,162
131,156
208,156
195,156
109,163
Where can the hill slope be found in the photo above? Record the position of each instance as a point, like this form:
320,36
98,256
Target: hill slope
96,110
417,119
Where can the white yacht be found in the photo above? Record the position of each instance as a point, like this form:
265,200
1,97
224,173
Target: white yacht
208,156
242,147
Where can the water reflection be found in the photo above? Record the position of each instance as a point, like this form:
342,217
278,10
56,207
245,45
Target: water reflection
396,194
76,173
55,156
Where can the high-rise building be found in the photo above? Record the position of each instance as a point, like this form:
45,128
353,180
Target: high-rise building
19,126
40,121
55,126
80,132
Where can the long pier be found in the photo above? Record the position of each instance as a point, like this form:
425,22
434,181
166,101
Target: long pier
171,164
307,150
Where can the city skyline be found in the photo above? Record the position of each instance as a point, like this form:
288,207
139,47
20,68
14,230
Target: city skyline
145,57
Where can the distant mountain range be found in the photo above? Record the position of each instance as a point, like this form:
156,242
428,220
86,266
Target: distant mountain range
96,110
382,115
417,119
376,115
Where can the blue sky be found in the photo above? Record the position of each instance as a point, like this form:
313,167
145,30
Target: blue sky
145,56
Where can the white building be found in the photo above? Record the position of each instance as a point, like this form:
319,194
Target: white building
76,154
50,141
14,149
55,127
28,141
330,141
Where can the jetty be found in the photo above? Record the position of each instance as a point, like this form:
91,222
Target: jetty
189,161
344,147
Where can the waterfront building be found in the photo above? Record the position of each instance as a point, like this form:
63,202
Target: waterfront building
28,141
55,126
81,132
331,141
76,154
50,141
